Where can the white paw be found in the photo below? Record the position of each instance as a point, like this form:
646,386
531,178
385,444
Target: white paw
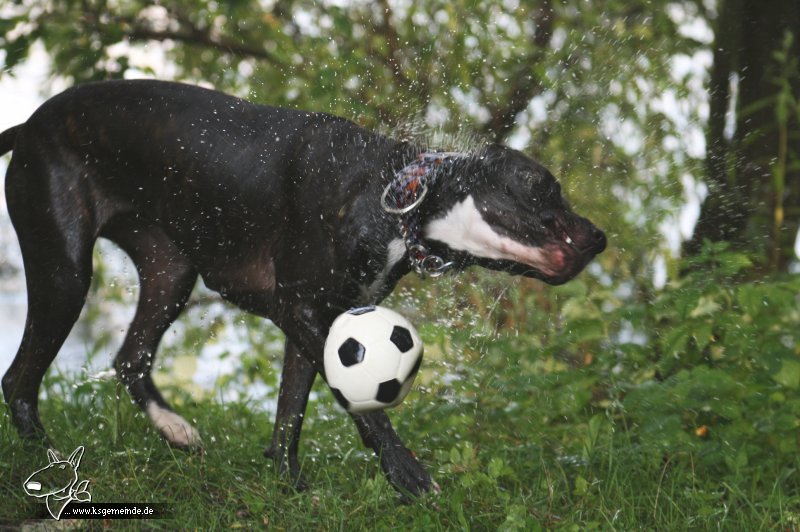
173,427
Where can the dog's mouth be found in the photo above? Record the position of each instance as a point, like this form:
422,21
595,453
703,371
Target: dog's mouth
554,262
555,252
566,250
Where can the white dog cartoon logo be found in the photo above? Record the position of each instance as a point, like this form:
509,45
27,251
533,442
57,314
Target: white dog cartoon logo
58,483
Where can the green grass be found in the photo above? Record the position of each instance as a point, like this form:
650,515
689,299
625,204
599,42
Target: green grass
528,420
506,449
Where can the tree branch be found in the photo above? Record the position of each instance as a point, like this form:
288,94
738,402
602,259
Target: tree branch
525,86
391,41
196,37
392,57
135,29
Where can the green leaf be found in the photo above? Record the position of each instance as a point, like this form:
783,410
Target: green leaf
751,298
733,263
675,340
581,486
789,374
586,329
706,306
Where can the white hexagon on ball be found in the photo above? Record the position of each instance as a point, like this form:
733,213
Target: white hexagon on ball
372,355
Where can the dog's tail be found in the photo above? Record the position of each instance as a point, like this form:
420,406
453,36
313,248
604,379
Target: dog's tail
7,139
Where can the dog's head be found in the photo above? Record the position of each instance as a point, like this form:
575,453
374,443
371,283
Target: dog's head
504,211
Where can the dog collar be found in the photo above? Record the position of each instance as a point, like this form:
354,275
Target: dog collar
403,195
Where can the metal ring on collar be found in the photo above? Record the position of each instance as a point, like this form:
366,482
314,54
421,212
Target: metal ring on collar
401,210
434,266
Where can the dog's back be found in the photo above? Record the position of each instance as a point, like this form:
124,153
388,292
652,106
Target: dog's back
179,156
157,130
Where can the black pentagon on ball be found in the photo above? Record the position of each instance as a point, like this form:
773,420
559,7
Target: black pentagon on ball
339,397
387,391
401,337
351,352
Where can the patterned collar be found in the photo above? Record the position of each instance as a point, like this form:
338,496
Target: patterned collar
404,194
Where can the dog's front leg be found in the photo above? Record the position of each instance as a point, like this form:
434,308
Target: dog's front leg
296,380
307,327
399,465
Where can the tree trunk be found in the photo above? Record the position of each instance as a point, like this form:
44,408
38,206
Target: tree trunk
744,205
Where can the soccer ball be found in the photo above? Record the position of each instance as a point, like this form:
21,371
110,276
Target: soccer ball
372,355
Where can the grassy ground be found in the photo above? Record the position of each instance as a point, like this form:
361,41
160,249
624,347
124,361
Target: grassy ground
506,449
539,420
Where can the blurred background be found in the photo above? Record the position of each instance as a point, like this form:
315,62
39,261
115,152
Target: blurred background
673,125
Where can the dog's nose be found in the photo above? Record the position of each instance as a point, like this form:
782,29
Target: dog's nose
598,240
33,486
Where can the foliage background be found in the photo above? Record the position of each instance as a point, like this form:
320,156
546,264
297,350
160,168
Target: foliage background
680,361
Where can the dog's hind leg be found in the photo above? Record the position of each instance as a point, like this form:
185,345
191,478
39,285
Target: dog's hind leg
56,293
166,280
297,378
56,241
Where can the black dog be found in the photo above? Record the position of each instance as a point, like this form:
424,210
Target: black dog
278,210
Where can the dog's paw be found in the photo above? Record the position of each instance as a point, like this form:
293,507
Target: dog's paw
178,432
26,418
287,468
406,474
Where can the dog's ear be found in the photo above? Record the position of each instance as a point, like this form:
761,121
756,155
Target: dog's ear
75,457
485,166
493,152
51,457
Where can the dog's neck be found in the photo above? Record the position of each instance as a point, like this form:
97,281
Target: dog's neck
413,191
403,197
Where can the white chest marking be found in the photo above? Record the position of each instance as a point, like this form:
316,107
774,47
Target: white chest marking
396,250
463,229
394,253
